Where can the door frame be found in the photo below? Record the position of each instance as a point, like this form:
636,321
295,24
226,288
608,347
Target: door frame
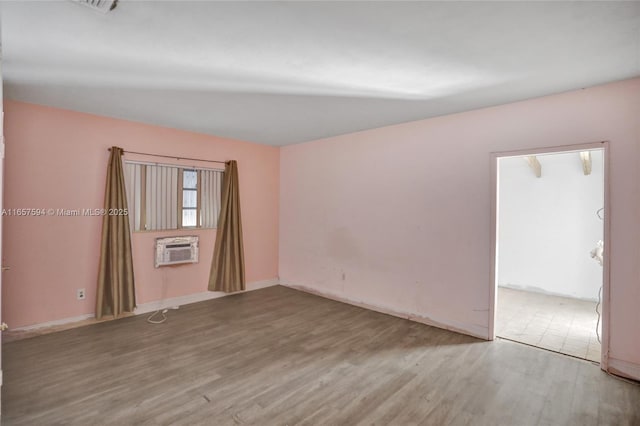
606,227
2,183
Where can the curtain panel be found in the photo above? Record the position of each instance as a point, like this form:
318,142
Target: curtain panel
116,288
227,267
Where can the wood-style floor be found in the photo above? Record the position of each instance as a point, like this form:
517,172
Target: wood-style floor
281,357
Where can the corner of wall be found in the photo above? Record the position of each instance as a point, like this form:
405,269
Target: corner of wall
467,329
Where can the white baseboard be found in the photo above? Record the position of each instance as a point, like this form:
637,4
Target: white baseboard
624,368
547,293
468,329
154,306
55,322
197,297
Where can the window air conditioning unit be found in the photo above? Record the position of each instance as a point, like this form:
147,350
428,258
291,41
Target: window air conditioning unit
176,250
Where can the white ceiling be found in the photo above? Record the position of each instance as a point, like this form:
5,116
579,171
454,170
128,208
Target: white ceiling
281,73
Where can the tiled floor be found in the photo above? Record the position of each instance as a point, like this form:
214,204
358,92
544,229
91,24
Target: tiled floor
557,323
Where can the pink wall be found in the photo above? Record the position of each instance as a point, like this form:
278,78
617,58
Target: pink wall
57,159
396,217
399,217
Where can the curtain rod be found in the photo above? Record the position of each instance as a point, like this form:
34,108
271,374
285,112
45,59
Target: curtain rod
171,156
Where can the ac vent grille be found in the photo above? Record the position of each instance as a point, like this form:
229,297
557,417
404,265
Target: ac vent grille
180,255
176,250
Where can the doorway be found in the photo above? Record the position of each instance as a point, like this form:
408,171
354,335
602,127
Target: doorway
550,259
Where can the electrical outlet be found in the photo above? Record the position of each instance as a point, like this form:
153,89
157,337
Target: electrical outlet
80,294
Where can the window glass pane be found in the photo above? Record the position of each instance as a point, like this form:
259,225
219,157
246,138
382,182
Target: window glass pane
189,218
189,198
189,179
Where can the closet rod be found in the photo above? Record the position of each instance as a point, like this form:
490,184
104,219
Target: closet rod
172,157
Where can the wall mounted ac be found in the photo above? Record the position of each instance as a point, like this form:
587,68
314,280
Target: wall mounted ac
176,250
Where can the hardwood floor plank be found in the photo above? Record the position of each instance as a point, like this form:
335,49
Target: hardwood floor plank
277,356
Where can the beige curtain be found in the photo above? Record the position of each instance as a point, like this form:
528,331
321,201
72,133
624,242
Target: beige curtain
116,293
227,267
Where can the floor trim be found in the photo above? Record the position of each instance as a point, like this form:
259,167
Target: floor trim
626,369
155,305
547,293
197,297
54,323
547,349
470,330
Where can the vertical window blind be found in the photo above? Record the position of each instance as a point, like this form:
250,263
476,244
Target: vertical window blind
171,197
211,187
162,197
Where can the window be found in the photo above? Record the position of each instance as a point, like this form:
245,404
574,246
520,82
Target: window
170,197
190,205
